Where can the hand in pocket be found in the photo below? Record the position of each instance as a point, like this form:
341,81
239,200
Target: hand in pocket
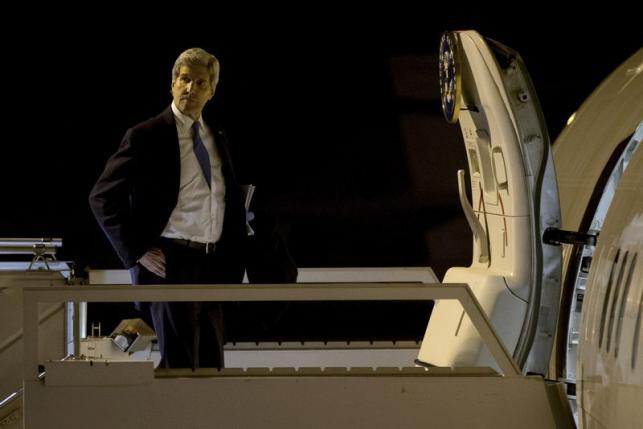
154,261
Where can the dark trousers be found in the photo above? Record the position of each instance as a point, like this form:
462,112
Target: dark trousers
190,334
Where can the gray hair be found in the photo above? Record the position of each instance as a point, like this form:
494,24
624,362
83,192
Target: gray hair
198,57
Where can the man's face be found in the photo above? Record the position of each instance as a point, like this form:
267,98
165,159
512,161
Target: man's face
191,90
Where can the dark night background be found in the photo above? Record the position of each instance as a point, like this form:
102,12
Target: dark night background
334,116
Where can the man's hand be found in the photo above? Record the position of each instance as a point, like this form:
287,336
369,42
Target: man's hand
154,261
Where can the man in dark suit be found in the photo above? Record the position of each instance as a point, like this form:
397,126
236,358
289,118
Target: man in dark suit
170,204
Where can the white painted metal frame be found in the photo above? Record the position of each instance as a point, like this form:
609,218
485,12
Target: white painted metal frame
271,292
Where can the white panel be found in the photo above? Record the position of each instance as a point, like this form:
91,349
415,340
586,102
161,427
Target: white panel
451,339
310,275
333,399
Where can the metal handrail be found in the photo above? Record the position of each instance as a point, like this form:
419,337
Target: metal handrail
265,292
15,396
12,397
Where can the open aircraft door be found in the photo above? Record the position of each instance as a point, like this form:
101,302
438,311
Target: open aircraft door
514,199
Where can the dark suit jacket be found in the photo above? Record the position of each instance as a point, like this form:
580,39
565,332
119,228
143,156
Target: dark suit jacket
136,193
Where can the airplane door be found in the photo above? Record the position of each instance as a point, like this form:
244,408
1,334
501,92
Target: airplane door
514,198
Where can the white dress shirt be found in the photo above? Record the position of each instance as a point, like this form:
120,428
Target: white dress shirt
198,215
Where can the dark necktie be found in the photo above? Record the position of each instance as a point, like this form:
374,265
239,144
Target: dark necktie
201,153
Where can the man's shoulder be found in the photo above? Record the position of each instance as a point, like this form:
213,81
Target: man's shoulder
162,123
163,119
214,121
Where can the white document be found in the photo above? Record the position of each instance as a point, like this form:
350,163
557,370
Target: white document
248,191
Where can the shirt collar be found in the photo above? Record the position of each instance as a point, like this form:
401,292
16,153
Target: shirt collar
184,120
